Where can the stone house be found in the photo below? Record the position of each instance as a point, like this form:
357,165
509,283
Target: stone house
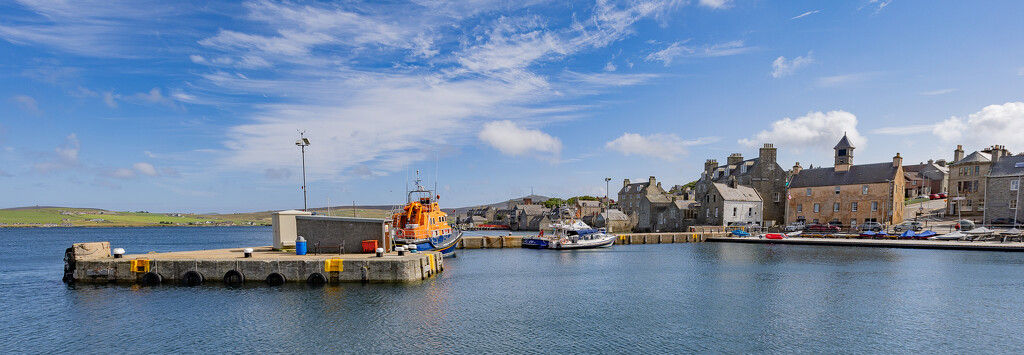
730,203
763,174
617,221
847,194
529,217
1003,188
933,176
486,212
643,202
967,179
585,208
913,185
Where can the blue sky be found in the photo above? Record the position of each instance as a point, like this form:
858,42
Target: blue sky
193,107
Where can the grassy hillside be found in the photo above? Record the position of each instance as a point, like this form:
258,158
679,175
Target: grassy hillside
91,217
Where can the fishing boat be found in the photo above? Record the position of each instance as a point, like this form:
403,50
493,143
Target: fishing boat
570,234
422,223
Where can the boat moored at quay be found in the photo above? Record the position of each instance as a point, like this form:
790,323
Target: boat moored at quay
422,223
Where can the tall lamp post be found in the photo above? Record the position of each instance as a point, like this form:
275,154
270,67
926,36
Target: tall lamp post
607,203
302,143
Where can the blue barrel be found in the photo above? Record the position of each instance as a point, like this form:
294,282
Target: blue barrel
300,246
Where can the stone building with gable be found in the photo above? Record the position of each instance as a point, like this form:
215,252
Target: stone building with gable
763,174
1003,185
644,202
847,194
967,179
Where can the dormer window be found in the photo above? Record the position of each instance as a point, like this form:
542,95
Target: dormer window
743,169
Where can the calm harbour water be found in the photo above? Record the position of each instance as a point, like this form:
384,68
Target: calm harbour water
670,298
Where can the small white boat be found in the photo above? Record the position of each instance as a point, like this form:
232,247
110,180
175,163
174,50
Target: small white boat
949,236
570,234
793,234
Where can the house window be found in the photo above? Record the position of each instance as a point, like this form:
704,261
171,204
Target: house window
837,190
864,190
815,221
1014,185
777,195
853,207
853,222
743,169
1013,204
808,191
799,207
874,206
750,211
707,213
817,208
977,170
913,183
970,203
716,212
734,211
835,207
974,186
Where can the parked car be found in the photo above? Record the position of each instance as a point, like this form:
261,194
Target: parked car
943,195
1004,221
908,225
826,228
872,226
964,225
933,197
794,227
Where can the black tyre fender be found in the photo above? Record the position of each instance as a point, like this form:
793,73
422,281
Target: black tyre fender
192,278
316,278
276,279
151,279
69,265
234,278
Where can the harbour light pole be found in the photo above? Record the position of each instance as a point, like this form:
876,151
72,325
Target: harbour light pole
607,202
303,142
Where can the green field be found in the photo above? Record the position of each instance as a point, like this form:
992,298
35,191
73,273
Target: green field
87,217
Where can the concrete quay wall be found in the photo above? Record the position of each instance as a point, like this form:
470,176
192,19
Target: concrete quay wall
218,265
631,238
877,243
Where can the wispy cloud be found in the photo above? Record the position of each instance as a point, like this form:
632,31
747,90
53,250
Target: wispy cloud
904,130
808,13
26,103
782,67
679,49
845,79
664,146
878,5
938,92
63,157
716,4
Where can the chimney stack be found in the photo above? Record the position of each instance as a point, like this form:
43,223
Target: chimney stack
897,161
651,181
734,158
767,155
625,182
797,168
710,165
958,153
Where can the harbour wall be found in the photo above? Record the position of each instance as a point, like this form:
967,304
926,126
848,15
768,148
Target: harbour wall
627,238
93,263
876,243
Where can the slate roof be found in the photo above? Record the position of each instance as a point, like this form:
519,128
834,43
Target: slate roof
532,210
858,174
976,157
734,169
919,167
844,143
1006,166
738,193
615,215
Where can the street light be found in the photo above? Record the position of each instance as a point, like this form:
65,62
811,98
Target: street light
302,143
607,203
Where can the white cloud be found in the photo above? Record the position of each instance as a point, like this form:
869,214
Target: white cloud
881,4
109,99
513,140
145,169
782,67
27,103
65,156
668,147
938,92
120,173
716,4
994,124
903,130
808,13
816,130
677,49
609,67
